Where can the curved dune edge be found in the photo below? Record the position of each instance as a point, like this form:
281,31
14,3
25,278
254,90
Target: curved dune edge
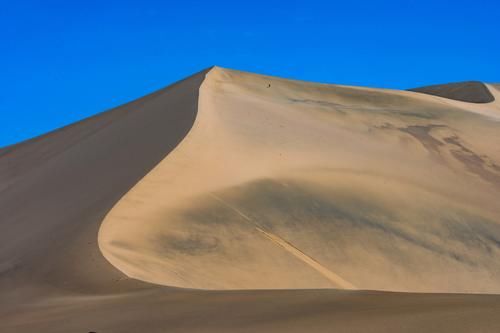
57,188
291,185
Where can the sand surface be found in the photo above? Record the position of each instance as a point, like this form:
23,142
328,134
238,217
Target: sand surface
231,182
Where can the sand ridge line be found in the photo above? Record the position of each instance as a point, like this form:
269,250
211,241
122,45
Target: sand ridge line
292,249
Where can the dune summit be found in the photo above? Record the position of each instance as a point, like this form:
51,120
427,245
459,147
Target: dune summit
234,185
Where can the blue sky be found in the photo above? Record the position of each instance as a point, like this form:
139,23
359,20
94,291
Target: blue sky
62,61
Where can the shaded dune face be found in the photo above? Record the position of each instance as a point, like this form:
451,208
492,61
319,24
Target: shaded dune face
286,184
56,189
471,91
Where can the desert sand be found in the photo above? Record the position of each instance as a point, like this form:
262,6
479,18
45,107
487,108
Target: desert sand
232,201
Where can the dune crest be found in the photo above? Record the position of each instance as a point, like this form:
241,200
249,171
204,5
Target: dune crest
289,185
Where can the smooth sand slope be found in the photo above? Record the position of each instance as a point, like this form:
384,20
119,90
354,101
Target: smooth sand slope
240,181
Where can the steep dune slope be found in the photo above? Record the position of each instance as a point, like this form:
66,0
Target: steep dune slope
57,188
284,184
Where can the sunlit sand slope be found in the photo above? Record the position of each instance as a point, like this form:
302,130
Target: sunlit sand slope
286,184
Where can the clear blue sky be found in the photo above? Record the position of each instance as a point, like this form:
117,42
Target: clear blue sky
65,60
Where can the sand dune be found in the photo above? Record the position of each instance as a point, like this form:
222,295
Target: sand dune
361,181
232,182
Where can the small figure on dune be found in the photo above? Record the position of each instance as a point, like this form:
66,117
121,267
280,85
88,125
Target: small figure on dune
269,85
